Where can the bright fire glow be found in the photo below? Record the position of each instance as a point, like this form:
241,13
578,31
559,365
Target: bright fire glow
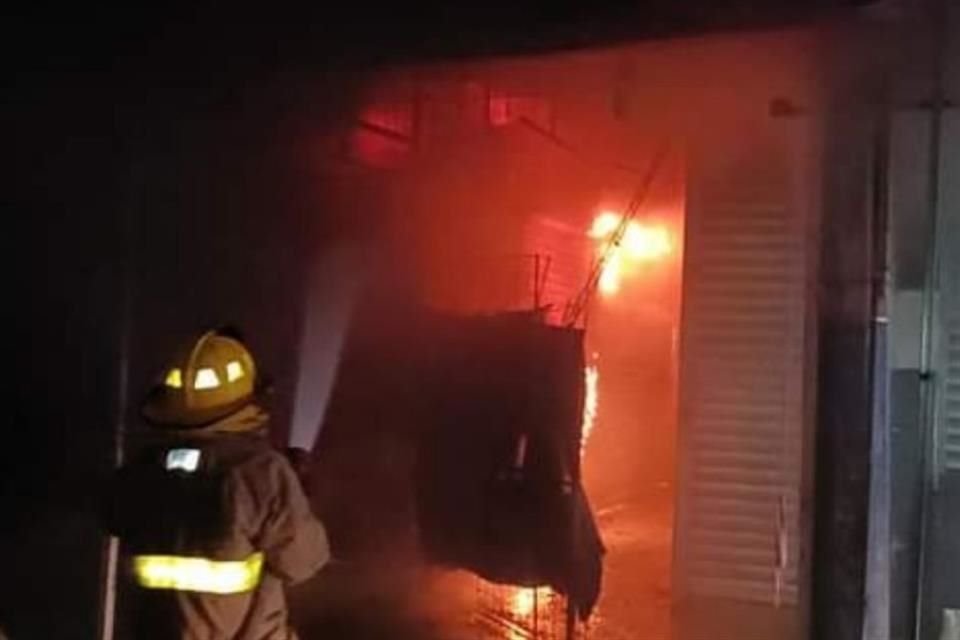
641,242
610,276
591,375
604,224
525,601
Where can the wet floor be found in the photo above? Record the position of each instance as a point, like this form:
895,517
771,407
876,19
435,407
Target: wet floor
636,586
401,600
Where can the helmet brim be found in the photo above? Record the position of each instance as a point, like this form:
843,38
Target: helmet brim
165,409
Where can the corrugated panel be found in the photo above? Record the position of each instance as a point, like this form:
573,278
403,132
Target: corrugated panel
948,438
741,381
950,415
564,255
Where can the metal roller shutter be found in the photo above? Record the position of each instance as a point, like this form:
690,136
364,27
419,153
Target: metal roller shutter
744,359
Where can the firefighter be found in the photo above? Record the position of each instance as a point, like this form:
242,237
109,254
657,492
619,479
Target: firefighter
213,522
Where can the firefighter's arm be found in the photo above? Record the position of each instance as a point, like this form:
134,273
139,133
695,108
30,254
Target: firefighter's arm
294,540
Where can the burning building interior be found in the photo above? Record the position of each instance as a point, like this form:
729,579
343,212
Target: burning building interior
581,340
539,207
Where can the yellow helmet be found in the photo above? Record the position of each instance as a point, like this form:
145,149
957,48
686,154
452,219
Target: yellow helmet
210,379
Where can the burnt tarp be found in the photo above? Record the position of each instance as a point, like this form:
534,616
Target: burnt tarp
498,469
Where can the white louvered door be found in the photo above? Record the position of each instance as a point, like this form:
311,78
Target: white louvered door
747,352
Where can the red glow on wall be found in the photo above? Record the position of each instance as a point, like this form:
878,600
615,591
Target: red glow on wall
383,136
373,149
503,109
392,118
500,111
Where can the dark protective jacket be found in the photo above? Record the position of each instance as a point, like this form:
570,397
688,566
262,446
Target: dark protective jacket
243,498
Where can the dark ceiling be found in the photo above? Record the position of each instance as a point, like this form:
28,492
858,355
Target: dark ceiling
212,38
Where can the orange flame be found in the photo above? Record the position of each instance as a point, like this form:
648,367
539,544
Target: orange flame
591,375
640,243
525,600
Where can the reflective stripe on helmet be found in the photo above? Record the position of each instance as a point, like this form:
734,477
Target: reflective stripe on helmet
203,575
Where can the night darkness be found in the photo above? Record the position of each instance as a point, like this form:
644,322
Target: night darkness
199,120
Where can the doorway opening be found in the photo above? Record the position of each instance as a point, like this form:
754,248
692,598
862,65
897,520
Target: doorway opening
534,186
517,185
